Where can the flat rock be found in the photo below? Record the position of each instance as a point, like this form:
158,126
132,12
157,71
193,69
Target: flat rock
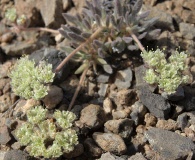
156,104
110,142
93,116
124,78
168,144
19,48
122,127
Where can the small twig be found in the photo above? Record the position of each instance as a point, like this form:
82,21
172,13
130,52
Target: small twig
138,42
34,29
82,79
94,35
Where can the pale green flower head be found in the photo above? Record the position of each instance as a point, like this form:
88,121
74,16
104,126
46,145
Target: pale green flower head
168,74
36,114
29,80
43,137
64,118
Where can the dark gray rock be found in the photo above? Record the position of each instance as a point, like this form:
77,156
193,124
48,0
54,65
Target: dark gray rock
168,144
78,150
91,148
186,119
138,110
165,20
187,30
17,155
124,78
110,142
122,127
189,101
140,82
93,116
178,95
156,104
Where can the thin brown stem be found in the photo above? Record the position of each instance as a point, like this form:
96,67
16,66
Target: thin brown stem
94,35
138,42
82,79
38,29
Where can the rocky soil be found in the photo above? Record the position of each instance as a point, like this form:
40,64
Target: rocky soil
117,119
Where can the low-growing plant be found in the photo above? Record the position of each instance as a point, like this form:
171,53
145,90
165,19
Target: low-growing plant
168,74
29,80
104,28
48,138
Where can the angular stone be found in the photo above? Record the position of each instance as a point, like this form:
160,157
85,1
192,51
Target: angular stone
53,98
187,30
4,135
91,148
138,110
124,78
122,127
186,119
93,116
165,20
156,104
78,150
110,142
5,102
168,144
49,15
140,82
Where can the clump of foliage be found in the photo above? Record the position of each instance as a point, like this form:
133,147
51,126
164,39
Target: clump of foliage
168,74
47,138
29,80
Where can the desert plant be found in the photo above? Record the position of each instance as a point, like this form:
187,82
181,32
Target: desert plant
29,80
168,74
43,137
102,30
